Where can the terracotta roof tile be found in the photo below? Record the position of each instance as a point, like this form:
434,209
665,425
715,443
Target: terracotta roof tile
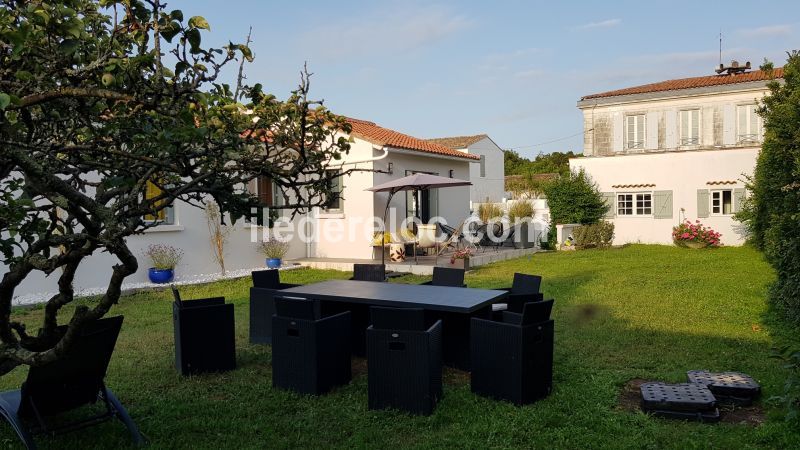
458,142
689,83
376,134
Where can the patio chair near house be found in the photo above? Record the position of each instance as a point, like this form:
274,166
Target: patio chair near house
62,386
445,276
205,335
369,272
426,237
404,360
525,288
266,284
310,352
512,358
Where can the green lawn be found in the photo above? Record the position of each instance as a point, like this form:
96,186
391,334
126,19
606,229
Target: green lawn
649,312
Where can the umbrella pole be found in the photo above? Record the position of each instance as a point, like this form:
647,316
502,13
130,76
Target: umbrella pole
383,234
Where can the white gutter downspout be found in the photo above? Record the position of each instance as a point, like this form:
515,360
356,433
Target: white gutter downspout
385,150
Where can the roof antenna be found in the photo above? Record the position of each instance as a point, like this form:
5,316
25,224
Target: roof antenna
720,46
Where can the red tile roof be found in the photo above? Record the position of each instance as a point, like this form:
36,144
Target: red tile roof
695,82
376,134
457,142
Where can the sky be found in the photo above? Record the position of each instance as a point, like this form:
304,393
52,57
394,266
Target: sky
511,69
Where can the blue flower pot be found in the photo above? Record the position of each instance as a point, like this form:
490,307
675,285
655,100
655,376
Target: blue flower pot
273,263
161,276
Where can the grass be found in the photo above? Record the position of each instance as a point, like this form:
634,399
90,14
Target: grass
649,312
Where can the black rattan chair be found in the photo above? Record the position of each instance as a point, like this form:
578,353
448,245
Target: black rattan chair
66,384
404,360
512,359
524,289
266,284
369,272
310,353
446,276
205,336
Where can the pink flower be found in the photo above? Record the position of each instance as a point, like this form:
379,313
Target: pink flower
685,236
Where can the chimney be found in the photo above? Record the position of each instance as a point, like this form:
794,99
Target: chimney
733,69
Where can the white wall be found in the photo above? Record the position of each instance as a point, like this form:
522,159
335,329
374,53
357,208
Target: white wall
492,185
683,173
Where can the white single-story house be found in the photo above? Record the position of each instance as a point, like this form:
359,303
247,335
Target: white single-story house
343,231
675,150
488,176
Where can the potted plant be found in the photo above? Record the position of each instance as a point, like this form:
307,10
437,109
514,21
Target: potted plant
164,258
460,258
274,250
695,235
520,213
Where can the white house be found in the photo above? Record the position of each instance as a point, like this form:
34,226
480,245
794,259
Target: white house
342,231
674,150
488,175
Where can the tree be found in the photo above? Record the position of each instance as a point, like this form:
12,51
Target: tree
772,211
555,162
575,198
92,122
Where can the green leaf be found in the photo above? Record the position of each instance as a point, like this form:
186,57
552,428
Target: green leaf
180,67
5,100
193,36
199,22
69,46
246,52
177,15
43,14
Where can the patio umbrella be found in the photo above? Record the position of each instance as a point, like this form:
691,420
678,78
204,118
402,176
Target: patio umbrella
415,182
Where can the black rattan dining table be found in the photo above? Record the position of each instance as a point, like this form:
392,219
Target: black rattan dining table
455,306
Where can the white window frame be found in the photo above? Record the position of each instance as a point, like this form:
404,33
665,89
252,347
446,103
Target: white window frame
635,197
743,131
277,200
635,120
169,215
719,193
689,140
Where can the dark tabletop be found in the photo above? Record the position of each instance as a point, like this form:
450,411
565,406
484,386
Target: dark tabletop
438,298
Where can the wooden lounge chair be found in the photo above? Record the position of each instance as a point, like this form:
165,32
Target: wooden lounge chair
75,380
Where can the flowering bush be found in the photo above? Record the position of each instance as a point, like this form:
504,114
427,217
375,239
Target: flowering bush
460,254
696,233
164,256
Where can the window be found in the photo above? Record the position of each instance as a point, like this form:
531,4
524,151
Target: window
635,131
336,204
165,216
268,192
722,202
483,167
690,127
748,124
635,204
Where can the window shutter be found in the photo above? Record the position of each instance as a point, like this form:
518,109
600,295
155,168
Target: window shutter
663,204
651,143
640,129
729,125
738,199
608,198
702,203
671,129
618,133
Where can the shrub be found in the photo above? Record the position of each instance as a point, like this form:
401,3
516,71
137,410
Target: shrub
575,198
599,235
164,256
273,248
772,209
695,232
520,210
488,212
790,397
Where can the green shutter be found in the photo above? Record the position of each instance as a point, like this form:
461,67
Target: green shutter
662,201
738,199
608,198
702,203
